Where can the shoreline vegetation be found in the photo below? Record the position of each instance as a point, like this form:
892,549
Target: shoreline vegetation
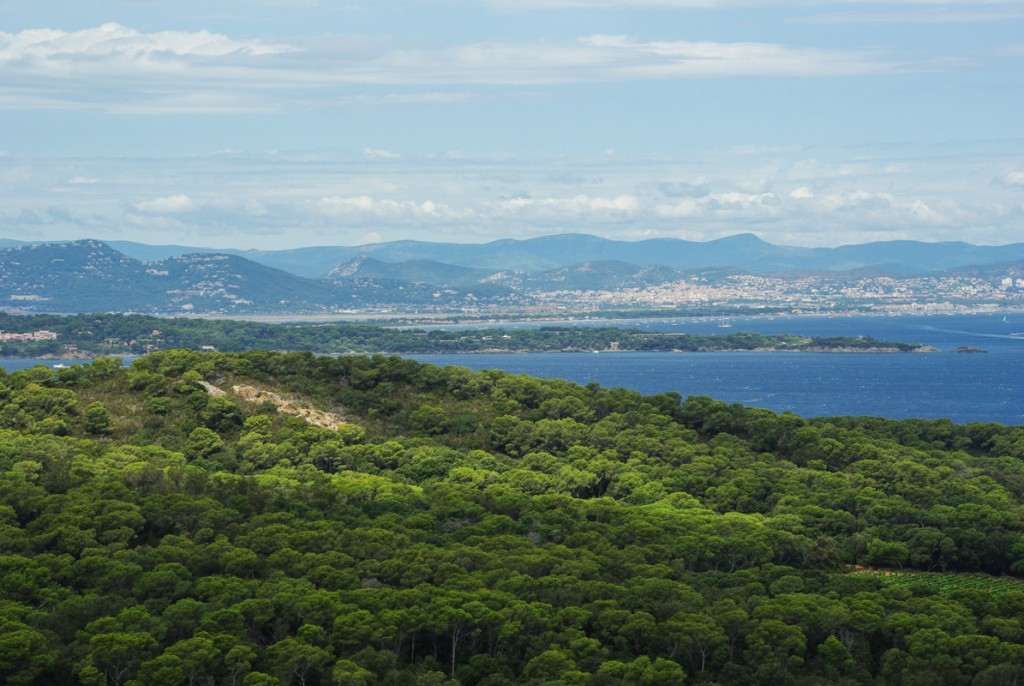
97,335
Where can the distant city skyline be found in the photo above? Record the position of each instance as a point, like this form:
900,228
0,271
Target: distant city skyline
271,124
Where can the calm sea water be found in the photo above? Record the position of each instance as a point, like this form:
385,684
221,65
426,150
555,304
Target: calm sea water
963,387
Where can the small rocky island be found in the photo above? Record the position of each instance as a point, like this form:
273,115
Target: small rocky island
968,349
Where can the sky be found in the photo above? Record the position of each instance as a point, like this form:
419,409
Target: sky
274,124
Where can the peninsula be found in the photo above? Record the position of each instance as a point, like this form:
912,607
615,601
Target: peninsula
84,336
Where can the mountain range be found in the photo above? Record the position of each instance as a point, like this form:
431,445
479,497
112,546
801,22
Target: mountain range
89,275
742,251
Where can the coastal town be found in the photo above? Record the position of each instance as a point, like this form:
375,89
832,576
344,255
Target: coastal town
811,293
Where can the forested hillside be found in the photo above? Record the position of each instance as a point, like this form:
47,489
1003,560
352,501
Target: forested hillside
269,518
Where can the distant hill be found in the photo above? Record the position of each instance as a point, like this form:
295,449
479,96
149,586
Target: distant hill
1014,269
914,257
158,253
65,276
414,271
89,276
598,275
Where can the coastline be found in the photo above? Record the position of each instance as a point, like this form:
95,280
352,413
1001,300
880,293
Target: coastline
464,339
86,357
431,319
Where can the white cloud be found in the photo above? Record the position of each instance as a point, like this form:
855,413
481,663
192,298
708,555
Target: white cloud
894,210
802,193
1011,179
335,206
398,99
255,208
376,154
172,204
621,203
176,102
673,59
620,58
526,211
117,42
679,210
731,203
685,189
119,69
574,206
364,207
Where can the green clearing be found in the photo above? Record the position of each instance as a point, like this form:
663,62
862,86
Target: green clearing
945,583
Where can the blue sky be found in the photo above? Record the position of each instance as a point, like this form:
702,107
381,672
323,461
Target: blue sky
284,123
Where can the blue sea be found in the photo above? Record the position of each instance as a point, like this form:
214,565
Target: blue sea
965,387
980,387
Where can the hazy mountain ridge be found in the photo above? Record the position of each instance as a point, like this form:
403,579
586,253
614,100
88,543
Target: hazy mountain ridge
742,251
91,276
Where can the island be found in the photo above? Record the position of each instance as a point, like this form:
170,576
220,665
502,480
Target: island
86,336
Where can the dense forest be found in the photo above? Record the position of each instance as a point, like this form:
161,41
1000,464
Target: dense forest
282,518
116,334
